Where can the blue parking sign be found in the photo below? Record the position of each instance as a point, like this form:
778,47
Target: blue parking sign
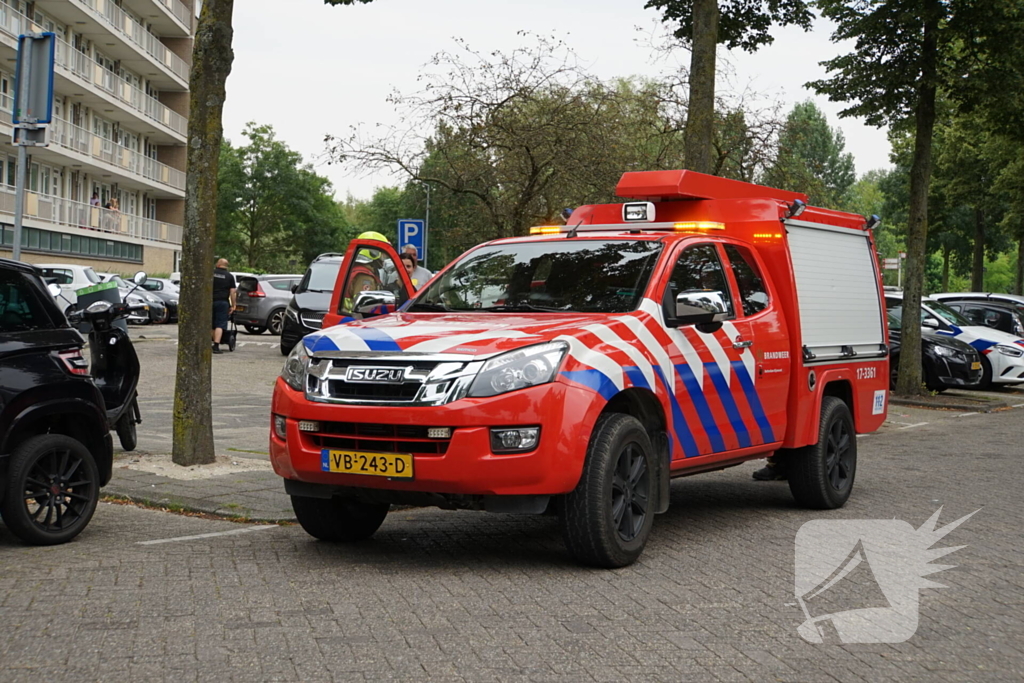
412,231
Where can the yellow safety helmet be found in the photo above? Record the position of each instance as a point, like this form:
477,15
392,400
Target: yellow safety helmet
372,235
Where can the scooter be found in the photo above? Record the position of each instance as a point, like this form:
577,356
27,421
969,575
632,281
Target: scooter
115,365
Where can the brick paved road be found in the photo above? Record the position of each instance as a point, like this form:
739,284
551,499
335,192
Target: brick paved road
451,596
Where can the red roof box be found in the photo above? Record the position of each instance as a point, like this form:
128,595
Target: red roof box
663,185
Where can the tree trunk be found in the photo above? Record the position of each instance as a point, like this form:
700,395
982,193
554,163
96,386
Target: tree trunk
1019,284
211,64
978,266
909,380
700,117
945,267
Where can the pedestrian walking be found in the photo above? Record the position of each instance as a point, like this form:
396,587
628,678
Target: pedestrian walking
224,286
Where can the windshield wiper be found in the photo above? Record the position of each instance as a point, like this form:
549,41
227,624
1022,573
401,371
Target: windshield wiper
428,306
320,291
523,307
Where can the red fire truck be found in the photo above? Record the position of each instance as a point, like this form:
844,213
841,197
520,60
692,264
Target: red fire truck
703,323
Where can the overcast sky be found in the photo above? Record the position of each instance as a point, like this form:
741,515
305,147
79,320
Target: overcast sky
317,69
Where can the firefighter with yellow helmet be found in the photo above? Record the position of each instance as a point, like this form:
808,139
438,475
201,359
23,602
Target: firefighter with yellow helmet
369,272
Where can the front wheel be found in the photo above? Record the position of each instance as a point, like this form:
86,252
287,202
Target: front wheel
821,475
607,518
339,519
52,489
127,432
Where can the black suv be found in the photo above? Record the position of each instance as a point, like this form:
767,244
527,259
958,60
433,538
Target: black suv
312,297
55,445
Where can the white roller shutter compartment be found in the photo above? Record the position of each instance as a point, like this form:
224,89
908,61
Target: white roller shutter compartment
837,291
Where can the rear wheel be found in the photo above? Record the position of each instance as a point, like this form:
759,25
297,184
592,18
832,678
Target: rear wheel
127,432
607,519
254,329
821,475
339,519
276,321
51,491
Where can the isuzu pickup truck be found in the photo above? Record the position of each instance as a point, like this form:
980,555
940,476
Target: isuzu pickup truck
576,371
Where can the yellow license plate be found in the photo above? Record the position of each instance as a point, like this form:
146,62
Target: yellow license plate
976,365
240,307
393,465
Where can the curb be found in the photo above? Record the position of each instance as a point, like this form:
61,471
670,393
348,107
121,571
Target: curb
188,504
987,407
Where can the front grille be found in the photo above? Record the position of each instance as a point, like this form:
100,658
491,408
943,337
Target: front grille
312,320
339,388
383,438
415,372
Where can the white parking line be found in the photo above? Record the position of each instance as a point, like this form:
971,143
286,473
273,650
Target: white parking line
233,532
966,414
919,424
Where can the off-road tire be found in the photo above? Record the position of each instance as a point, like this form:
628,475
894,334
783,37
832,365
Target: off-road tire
821,475
339,519
28,472
589,528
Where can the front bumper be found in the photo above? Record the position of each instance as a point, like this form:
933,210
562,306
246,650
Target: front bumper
292,331
565,413
1006,369
952,372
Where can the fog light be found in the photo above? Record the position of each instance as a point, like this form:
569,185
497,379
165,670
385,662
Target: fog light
309,426
514,440
281,427
439,432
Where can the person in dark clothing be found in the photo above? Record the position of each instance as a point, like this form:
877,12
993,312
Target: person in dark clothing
224,286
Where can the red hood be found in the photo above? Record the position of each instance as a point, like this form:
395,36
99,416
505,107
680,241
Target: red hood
476,334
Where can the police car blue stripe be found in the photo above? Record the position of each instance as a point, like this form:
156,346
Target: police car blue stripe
729,403
753,400
700,403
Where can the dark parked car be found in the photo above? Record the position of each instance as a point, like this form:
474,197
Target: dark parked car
261,300
998,311
948,362
305,313
55,445
167,292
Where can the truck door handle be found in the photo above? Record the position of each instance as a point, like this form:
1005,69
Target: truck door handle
742,344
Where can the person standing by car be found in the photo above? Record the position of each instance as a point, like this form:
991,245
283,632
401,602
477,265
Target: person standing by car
224,286
419,275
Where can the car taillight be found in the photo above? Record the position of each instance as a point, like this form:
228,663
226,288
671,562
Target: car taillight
258,292
74,361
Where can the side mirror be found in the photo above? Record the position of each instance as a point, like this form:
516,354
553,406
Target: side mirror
53,289
140,277
295,288
930,322
700,308
370,303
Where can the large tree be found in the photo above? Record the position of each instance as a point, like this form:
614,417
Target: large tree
211,64
702,25
904,51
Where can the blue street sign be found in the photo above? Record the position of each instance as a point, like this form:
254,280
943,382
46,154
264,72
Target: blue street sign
412,231
33,78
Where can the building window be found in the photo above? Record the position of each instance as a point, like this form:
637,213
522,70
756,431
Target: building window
49,242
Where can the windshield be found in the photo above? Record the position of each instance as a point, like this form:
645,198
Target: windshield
593,276
116,279
321,277
91,275
932,309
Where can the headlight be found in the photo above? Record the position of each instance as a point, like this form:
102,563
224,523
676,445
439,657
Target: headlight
1007,350
294,370
519,369
943,351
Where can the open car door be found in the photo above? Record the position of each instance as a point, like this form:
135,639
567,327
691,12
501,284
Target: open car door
372,281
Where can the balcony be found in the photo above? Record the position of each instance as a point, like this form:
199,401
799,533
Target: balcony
80,68
169,17
64,212
136,39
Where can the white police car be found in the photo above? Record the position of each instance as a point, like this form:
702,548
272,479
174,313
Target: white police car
1002,354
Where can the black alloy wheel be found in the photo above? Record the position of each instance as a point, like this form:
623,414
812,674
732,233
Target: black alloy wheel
821,475
52,489
276,322
631,493
839,457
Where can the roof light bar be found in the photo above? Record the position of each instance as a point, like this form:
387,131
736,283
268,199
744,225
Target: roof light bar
547,229
693,226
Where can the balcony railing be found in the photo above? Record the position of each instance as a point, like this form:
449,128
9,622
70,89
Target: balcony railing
78,139
60,211
85,68
136,33
178,11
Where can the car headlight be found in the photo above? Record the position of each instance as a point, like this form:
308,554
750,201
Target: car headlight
294,370
1008,350
943,351
526,367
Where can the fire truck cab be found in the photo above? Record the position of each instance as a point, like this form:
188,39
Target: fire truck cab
700,324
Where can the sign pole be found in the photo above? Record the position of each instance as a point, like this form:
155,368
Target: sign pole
19,199
426,228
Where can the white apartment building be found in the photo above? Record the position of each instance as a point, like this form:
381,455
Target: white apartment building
118,136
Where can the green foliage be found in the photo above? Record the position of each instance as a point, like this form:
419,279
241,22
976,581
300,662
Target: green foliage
274,214
741,23
811,158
